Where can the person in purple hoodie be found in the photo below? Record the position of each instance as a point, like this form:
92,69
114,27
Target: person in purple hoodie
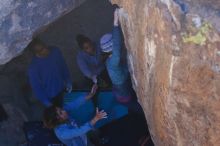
90,61
48,73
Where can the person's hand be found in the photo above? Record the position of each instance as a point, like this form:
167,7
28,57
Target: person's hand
116,17
69,88
94,89
99,115
92,92
94,79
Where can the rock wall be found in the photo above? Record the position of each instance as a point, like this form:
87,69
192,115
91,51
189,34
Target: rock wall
174,58
19,20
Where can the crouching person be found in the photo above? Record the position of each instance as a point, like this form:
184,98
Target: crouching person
66,129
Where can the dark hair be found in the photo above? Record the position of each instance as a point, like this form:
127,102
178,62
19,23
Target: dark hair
50,117
81,39
36,42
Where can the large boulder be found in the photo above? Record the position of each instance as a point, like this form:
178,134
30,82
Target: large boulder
174,58
19,20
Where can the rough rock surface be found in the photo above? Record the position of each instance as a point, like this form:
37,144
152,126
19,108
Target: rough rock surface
19,20
174,58
11,130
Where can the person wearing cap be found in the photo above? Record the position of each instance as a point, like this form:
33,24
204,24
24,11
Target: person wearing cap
89,58
111,45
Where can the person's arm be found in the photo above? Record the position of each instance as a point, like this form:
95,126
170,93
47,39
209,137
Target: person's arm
67,133
117,41
116,52
92,92
84,67
65,70
37,87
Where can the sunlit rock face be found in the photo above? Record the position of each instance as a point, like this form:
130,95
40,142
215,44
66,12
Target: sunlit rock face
20,19
174,58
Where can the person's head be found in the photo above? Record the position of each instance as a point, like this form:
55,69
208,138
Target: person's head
106,44
39,48
53,116
85,44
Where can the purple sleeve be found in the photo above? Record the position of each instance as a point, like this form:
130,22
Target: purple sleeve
63,66
37,87
83,66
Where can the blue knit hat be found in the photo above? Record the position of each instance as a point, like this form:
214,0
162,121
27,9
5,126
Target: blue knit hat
106,43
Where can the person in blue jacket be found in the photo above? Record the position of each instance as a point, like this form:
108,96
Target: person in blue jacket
111,44
48,73
66,129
